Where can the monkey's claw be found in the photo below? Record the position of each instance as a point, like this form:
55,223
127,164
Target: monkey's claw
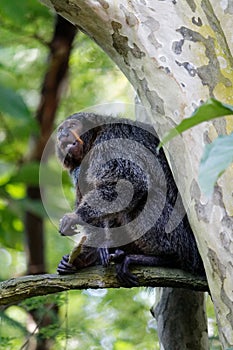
125,276
64,267
122,262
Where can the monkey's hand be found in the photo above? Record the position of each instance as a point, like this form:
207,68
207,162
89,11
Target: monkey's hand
67,227
81,256
65,267
68,224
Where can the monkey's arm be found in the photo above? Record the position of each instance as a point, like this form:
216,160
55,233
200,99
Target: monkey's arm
92,210
118,188
100,205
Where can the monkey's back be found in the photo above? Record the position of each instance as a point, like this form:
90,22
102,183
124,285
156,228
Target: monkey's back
124,150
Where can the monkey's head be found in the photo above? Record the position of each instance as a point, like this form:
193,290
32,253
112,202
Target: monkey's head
75,137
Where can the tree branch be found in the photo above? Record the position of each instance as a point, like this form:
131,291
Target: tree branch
17,289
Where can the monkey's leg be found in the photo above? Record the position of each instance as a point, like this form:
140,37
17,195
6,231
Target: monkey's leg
127,278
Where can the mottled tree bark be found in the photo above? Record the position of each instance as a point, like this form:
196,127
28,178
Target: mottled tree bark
177,54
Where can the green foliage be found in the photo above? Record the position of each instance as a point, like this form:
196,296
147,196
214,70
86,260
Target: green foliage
21,12
89,319
207,111
22,44
6,342
11,322
112,319
37,303
13,328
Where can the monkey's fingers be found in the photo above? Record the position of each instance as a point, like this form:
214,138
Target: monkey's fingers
104,256
125,276
68,224
64,267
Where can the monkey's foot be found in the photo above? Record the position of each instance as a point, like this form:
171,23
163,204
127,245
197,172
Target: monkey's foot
124,275
122,268
68,224
64,267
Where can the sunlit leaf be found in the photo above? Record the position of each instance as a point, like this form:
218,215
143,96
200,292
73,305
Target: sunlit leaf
16,191
6,169
216,158
207,111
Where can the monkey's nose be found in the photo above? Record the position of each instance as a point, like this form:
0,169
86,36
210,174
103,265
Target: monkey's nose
63,133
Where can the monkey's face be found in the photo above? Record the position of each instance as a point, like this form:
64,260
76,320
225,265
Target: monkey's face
69,143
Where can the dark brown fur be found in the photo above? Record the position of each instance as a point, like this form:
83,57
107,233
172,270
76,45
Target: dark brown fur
89,164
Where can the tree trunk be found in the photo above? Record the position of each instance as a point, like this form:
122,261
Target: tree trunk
181,320
177,54
60,48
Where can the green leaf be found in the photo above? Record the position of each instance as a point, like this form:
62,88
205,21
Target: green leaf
13,104
20,12
216,158
6,170
209,110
